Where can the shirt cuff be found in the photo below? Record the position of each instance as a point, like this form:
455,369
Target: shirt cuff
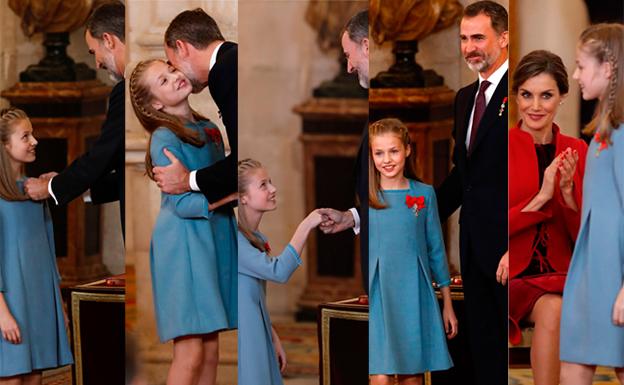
52,192
193,181
356,220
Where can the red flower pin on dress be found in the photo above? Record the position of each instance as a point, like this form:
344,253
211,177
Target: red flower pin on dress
267,247
415,203
213,135
602,143
502,107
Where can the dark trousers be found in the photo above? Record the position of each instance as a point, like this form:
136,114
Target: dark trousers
486,306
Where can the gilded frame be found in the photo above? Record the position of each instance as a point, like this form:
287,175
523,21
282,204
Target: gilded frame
76,298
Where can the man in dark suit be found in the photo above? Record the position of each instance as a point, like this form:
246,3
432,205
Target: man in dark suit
195,46
101,169
478,183
355,42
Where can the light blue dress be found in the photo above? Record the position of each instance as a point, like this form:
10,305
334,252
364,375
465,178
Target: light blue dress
596,274
29,281
257,360
193,250
406,253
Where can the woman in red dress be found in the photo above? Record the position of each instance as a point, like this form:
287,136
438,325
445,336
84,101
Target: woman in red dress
545,185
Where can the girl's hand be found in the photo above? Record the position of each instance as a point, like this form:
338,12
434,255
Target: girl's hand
65,317
10,330
223,201
567,168
314,218
279,351
618,309
450,321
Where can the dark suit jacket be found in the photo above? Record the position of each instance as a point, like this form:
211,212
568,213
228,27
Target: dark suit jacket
478,181
101,169
361,184
220,179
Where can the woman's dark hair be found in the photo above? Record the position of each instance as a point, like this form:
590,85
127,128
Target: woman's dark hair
541,62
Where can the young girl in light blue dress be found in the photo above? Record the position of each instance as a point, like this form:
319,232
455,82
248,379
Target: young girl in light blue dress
407,335
193,250
260,353
32,318
592,315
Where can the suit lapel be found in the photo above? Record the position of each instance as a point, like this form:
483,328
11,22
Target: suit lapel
491,113
224,48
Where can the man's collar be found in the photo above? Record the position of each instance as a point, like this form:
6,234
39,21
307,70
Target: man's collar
497,75
213,57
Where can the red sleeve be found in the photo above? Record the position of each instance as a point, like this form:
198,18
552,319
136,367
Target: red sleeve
520,221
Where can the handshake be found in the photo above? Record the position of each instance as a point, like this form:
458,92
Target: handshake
331,221
37,188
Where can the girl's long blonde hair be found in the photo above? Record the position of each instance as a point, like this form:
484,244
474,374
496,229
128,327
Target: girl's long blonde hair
245,168
8,186
380,127
151,118
605,42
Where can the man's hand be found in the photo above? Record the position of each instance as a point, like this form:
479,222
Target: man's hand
174,178
37,188
335,221
502,273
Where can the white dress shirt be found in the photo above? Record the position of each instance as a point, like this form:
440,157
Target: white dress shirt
494,79
193,175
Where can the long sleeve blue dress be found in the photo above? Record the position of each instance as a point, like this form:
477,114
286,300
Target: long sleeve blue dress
257,360
596,274
406,253
193,253
29,282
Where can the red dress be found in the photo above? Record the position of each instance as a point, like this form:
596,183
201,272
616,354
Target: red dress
540,242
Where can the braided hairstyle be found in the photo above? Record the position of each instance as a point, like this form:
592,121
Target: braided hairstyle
381,127
151,118
8,188
605,42
245,168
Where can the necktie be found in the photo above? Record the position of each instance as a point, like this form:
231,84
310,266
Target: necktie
478,112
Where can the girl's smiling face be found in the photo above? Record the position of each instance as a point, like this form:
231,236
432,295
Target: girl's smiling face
389,155
168,86
593,77
21,145
261,194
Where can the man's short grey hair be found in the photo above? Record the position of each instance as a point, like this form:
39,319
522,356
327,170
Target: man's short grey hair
357,27
496,12
109,17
